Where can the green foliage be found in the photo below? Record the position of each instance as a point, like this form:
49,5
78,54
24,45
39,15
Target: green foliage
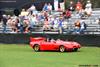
24,56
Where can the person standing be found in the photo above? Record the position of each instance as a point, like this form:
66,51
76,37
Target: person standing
4,23
56,5
60,25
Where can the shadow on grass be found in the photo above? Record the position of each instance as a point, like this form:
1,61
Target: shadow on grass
58,51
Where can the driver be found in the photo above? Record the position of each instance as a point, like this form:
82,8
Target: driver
52,40
47,40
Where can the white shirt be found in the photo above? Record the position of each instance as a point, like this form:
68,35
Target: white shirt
49,7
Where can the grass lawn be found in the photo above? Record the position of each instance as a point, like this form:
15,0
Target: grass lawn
24,56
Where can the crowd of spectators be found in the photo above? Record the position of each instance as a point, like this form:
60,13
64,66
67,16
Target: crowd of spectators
28,19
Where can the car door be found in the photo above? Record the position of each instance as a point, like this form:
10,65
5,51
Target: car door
47,46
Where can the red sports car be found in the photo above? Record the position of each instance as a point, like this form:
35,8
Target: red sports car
41,44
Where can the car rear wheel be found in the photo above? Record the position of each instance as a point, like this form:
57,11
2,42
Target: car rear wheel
61,48
75,49
36,48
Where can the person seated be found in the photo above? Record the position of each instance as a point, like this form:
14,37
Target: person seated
68,14
88,8
52,40
47,40
58,39
78,6
77,27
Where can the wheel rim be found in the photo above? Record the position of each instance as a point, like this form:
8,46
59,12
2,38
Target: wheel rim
62,49
36,48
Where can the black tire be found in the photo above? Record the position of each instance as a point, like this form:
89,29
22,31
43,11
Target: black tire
36,48
62,49
75,49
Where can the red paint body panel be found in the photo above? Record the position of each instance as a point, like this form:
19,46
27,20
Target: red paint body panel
53,45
